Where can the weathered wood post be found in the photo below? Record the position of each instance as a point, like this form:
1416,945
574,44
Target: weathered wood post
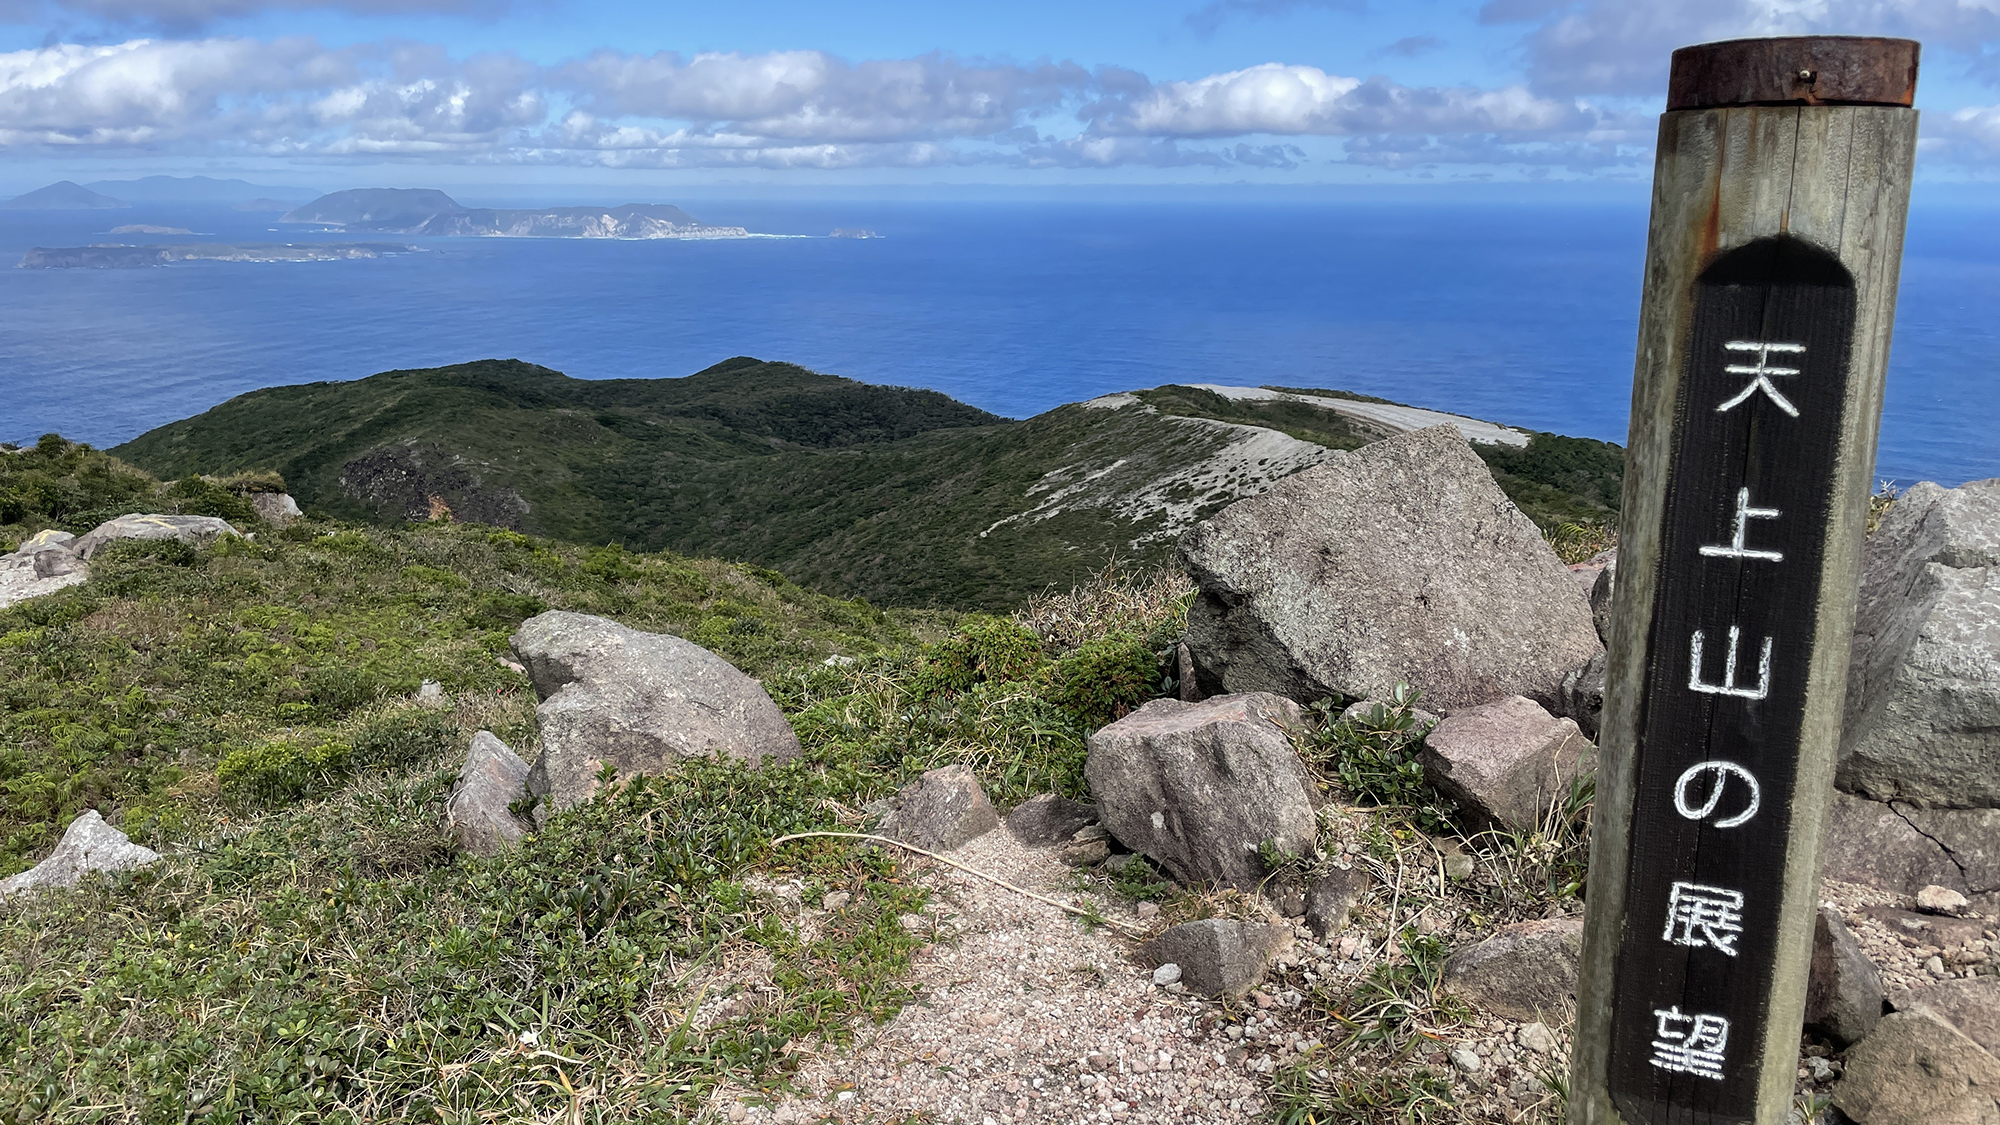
1779,193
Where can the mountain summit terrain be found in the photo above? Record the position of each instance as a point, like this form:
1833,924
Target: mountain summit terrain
906,497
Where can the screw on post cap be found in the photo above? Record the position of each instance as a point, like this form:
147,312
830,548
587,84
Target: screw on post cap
1804,70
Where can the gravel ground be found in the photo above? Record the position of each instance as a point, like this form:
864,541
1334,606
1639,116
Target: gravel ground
1028,1014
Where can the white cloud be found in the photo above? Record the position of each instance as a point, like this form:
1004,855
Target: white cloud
1294,100
813,95
1621,47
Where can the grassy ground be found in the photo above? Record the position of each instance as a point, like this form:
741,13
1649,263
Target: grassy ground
313,948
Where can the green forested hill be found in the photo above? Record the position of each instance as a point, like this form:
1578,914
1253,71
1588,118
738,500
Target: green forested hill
906,497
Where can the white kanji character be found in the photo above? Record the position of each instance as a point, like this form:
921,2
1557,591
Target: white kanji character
1699,916
1744,514
1722,772
1763,371
1695,1048
1728,684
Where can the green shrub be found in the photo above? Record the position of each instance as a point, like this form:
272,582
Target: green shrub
339,689
273,774
198,496
1104,679
984,650
403,737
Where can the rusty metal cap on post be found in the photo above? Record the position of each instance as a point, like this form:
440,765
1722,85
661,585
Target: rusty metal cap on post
1803,70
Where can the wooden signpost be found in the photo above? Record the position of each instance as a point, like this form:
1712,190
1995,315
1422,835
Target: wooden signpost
1779,193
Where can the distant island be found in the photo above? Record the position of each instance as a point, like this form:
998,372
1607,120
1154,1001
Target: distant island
148,228
428,211
139,257
63,195
853,232
201,190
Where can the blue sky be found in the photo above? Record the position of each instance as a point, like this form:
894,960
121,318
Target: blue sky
467,92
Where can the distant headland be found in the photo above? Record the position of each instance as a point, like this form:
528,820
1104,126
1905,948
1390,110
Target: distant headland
428,211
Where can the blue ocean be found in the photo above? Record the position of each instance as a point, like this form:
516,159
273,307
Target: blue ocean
1523,313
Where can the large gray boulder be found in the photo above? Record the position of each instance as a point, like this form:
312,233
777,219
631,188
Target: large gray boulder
1197,787
1923,683
41,565
1398,562
941,811
1873,844
1218,956
1918,1069
1526,971
492,779
637,702
1505,763
197,531
87,845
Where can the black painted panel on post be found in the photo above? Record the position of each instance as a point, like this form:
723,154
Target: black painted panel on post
1756,433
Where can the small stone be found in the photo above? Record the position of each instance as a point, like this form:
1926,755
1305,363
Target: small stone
1820,1070
834,900
911,922
1537,1037
1147,911
739,1112
1941,900
1098,1060
986,1019
1467,1060
1085,853
1935,967
430,693
1168,973
1263,1000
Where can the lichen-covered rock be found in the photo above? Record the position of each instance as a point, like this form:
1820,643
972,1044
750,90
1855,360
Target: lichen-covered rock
492,779
636,702
87,845
1399,562
1923,683
198,531
1526,971
940,811
1505,763
1844,990
1218,956
1199,787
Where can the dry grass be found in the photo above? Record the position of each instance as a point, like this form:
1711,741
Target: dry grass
1112,601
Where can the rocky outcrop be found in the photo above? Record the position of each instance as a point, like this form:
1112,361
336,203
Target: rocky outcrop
638,703
87,845
1505,763
1844,990
940,811
402,479
1601,593
196,531
1218,956
1923,683
1399,562
1897,846
1526,971
1199,787
492,779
